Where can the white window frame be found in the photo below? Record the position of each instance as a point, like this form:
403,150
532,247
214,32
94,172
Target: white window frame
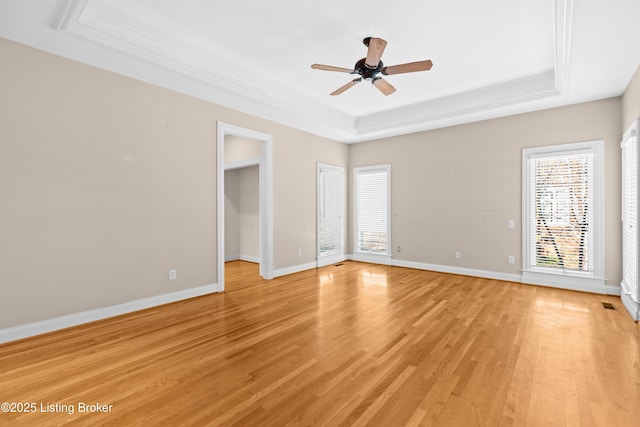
593,281
338,256
630,284
364,255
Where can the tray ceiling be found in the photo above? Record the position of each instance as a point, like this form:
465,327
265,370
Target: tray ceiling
491,58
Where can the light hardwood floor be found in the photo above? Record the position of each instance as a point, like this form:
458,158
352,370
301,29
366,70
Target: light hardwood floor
354,344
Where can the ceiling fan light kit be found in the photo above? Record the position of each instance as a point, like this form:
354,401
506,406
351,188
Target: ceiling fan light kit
369,67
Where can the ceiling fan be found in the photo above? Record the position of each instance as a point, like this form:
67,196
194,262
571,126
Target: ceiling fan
368,68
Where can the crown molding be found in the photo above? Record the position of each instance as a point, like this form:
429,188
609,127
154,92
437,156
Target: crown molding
67,13
467,103
230,82
563,31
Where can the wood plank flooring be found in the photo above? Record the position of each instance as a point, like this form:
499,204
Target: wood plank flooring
354,344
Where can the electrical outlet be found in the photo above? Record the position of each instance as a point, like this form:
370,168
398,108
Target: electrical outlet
511,223
458,255
511,259
173,274
299,252
398,249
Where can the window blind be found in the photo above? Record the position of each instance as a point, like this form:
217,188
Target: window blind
561,212
372,190
329,211
630,214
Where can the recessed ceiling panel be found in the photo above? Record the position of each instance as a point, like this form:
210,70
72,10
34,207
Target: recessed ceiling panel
490,58
472,44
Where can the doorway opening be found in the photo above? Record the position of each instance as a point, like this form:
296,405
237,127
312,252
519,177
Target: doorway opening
330,245
237,149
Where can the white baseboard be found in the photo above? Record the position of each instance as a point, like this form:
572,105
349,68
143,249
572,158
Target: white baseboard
632,307
247,258
294,269
593,289
62,322
572,283
598,286
613,290
69,320
331,259
371,258
457,270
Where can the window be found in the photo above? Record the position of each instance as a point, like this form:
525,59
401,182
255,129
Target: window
629,211
329,212
563,210
372,200
630,290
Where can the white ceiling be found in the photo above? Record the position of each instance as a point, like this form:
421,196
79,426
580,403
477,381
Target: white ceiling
491,58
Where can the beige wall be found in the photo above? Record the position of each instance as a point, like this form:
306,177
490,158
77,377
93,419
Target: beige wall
237,149
242,213
295,170
108,182
631,102
454,189
231,218
249,211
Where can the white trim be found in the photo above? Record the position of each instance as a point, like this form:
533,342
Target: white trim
294,269
198,71
372,258
566,281
613,290
242,258
456,108
630,295
331,259
357,170
562,35
597,286
458,270
593,285
632,132
627,290
632,307
220,206
266,209
266,197
330,167
68,14
69,320
327,259
242,164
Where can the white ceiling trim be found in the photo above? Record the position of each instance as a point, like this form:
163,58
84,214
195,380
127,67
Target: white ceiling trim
233,84
563,28
469,103
228,86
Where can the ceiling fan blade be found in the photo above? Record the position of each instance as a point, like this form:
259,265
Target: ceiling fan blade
408,68
331,68
345,87
374,52
384,86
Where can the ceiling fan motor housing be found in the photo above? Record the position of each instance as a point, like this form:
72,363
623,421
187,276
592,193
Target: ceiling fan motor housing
367,72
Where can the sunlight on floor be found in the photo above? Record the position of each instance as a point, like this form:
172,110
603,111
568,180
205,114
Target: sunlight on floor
371,279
